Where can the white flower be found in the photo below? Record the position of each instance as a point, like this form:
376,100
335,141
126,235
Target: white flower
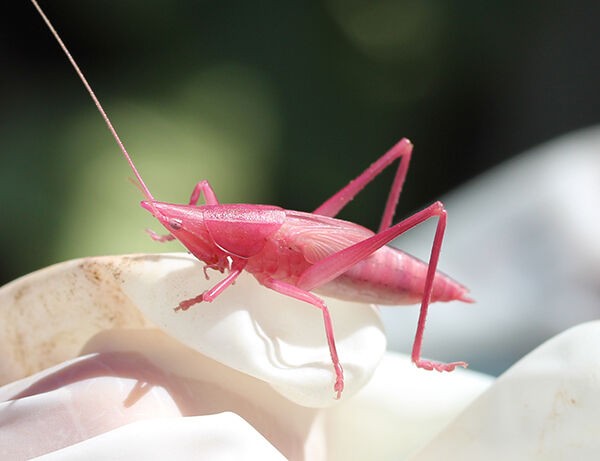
264,392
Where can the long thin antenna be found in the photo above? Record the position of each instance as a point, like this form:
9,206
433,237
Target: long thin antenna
87,86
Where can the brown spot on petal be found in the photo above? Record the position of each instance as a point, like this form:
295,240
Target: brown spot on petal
47,316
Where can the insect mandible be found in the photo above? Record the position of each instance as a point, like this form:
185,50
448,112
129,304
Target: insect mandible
297,254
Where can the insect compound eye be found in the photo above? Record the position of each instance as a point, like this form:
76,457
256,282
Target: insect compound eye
175,223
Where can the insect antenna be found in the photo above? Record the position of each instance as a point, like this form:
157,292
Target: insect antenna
142,185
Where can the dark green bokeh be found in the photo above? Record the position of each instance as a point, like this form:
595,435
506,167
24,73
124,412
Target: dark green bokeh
278,102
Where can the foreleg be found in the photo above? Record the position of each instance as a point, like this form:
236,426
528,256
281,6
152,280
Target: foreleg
211,294
403,150
303,295
202,187
336,264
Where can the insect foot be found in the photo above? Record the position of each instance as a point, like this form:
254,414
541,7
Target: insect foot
428,365
339,381
185,305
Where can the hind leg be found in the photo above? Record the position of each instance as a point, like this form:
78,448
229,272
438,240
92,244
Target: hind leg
336,264
401,150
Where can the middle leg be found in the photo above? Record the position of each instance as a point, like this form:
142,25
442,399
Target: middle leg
211,294
303,295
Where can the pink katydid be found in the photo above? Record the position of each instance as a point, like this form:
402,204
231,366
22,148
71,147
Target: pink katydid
297,253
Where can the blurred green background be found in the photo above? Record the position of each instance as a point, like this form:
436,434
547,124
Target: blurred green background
272,102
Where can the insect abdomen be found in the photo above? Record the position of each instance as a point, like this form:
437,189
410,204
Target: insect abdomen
390,276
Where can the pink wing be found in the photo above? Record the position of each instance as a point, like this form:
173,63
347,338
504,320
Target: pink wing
320,236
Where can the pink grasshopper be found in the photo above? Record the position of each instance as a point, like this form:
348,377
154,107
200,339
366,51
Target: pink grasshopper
297,253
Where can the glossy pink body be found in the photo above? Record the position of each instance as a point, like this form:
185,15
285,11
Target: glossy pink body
388,276
296,253
281,244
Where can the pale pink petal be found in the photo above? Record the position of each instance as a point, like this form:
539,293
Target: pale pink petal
144,374
224,436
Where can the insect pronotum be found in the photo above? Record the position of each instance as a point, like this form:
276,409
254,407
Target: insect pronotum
297,253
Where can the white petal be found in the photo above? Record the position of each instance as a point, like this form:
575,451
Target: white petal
260,332
46,317
544,408
249,328
400,410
